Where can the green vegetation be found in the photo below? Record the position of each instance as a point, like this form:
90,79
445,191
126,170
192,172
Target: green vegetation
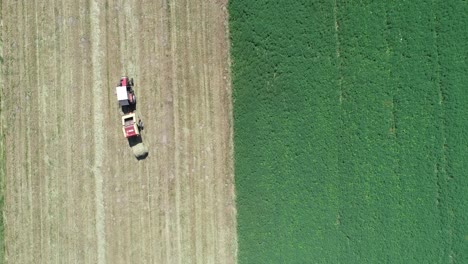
350,122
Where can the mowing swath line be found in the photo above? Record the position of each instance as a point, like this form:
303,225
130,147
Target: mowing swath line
61,133
55,195
133,57
175,93
209,193
115,66
207,227
68,138
84,150
115,61
195,104
127,68
41,113
165,196
2,149
183,118
52,187
161,79
194,200
2,146
45,209
31,122
28,143
201,231
13,171
182,138
152,224
20,135
10,189
6,65
211,79
230,157
34,140
98,131
21,145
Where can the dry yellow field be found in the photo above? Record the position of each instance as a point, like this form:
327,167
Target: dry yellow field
74,191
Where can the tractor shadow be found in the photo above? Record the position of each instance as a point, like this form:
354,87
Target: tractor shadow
128,108
133,142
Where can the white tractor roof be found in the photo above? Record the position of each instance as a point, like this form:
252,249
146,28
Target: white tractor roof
121,93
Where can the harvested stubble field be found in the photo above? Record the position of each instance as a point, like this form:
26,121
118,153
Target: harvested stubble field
351,140
74,192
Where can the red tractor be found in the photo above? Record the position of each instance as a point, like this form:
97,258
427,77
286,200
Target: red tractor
126,94
127,101
130,126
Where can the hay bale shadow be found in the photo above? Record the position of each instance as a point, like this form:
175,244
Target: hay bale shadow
138,147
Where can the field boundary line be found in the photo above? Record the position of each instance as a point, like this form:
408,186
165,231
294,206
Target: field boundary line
231,169
98,131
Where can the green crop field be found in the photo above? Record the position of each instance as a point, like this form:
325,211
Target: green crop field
350,130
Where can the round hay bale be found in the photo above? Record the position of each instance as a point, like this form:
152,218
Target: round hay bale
140,150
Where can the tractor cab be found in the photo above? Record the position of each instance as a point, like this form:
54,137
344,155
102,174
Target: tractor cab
125,93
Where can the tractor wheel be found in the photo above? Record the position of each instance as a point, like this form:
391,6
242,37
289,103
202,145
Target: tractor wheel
140,125
131,82
134,99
